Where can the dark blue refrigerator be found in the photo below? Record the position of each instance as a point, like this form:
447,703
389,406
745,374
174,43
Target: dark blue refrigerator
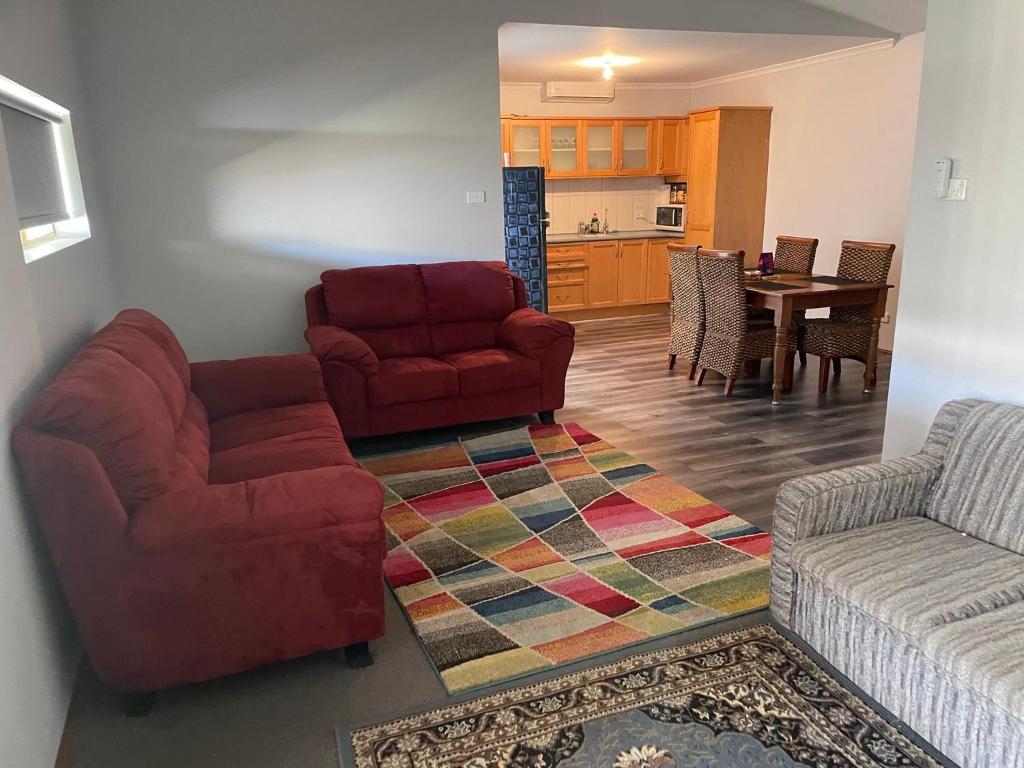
526,221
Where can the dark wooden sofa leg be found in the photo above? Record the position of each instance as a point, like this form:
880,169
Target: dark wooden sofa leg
358,656
138,704
546,417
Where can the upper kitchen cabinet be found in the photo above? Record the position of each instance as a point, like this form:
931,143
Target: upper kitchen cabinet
635,157
727,178
671,137
599,146
526,143
562,141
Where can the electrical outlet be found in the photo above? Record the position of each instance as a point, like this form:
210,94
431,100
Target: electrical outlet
886,318
639,214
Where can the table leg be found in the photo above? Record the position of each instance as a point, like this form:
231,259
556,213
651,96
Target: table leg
783,320
872,358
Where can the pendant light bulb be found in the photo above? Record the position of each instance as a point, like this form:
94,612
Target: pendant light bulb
608,73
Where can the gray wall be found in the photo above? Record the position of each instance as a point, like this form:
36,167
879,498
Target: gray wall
46,309
958,332
249,145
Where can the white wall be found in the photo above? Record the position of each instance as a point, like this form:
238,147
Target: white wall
248,145
842,140
962,310
46,309
569,200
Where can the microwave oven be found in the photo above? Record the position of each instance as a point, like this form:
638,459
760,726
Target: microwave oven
671,217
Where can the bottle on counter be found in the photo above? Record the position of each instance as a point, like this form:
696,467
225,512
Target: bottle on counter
595,225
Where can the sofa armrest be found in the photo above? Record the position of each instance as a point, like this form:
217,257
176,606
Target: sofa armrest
227,387
330,343
290,503
841,500
532,333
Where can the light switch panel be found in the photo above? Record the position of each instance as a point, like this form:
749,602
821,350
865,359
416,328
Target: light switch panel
476,196
957,189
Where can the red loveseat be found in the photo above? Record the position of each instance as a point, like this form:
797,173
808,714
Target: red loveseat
203,519
410,347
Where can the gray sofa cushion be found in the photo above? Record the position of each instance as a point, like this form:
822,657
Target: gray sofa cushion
981,489
913,573
985,653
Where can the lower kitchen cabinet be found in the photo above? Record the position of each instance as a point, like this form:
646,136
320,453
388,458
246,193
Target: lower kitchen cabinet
632,270
603,273
607,275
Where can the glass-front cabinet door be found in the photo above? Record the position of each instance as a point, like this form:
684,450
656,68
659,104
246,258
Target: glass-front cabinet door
562,139
526,143
599,145
635,158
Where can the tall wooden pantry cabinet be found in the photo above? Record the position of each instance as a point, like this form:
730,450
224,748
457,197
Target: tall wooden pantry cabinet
727,178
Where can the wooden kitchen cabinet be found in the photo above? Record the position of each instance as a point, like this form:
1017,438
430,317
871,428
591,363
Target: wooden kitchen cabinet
657,286
727,178
562,143
526,143
635,142
667,144
603,273
632,272
599,140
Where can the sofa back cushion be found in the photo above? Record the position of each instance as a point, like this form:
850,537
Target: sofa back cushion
124,396
981,489
421,311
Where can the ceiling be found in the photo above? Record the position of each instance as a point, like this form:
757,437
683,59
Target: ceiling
903,16
534,53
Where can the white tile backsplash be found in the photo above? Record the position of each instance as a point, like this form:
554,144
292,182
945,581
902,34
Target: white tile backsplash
569,200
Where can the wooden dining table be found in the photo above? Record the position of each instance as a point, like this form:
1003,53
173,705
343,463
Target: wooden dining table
788,292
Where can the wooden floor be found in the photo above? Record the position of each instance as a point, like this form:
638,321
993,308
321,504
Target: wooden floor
735,450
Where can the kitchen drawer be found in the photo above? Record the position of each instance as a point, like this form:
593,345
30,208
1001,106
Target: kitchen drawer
565,297
560,253
567,272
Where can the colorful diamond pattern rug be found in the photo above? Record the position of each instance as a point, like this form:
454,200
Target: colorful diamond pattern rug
543,545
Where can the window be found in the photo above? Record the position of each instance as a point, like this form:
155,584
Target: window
43,166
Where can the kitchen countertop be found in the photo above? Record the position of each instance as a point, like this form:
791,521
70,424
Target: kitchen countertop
642,234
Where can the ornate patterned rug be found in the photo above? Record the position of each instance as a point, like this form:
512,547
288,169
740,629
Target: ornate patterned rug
747,699
543,545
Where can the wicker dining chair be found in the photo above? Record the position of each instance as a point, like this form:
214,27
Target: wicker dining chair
846,332
792,254
731,338
687,307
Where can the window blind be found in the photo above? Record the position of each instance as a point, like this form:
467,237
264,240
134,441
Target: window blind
35,172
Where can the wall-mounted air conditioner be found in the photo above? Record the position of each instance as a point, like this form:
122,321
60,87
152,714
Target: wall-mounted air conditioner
601,91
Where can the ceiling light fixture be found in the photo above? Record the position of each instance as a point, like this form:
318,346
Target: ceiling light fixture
607,63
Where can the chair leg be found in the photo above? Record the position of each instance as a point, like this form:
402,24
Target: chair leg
671,362
693,371
730,382
874,377
546,417
700,376
803,359
837,364
755,368
787,375
824,368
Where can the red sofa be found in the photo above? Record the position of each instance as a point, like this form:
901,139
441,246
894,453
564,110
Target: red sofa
203,518
410,347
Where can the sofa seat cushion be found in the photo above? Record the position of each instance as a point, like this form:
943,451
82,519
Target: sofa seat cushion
485,371
268,442
913,574
985,653
411,380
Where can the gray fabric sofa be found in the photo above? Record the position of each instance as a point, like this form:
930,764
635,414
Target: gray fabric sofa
908,577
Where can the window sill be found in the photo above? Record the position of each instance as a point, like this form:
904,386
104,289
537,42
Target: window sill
68,233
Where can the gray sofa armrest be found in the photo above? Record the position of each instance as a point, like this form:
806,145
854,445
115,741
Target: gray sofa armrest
841,500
